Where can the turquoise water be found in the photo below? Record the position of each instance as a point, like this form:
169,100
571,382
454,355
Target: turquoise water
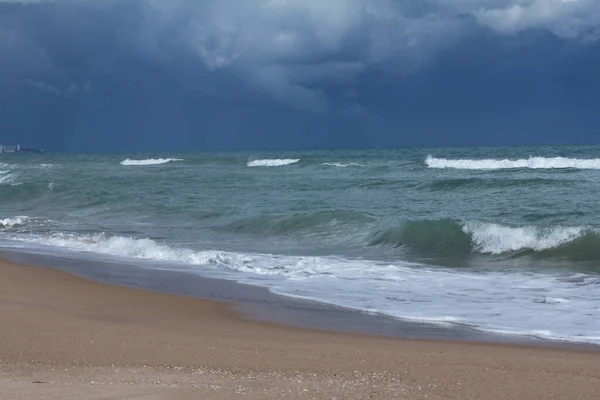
503,239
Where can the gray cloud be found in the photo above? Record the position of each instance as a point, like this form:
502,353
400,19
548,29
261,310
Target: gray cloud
292,50
44,87
72,89
565,18
289,48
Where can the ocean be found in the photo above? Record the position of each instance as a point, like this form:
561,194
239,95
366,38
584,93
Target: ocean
503,240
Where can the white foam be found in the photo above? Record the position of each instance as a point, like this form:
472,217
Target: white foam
498,239
342,165
150,161
10,222
8,178
272,162
530,163
126,247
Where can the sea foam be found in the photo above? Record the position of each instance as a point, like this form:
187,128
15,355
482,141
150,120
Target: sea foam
462,238
497,239
15,221
8,178
529,163
150,161
272,162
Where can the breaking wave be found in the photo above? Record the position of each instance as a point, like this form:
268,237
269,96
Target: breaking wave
12,222
127,247
273,162
8,178
150,161
529,163
148,249
24,224
449,237
342,165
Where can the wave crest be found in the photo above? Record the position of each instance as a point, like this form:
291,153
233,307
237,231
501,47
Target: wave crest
277,162
8,178
524,163
149,161
12,222
342,165
449,237
435,237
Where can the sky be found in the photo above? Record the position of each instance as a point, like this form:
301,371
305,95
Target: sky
149,75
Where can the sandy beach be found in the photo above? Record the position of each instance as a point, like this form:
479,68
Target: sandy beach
64,337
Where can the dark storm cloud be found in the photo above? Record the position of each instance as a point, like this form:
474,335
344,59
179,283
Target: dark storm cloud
367,64
285,49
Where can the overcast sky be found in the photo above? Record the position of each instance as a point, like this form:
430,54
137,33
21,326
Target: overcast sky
145,75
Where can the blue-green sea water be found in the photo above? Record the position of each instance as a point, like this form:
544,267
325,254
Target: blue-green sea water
501,239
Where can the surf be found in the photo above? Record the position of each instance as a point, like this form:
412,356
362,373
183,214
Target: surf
448,237
149,161
9,178
276,162
400,289
523,163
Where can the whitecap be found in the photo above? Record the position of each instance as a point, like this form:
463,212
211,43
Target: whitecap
149,161
8,178
272,162
527,163
342,165
14,221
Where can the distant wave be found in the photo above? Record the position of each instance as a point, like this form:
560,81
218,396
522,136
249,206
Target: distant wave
531,163
8,178
272,162
150,161
26,166
342,165
449,237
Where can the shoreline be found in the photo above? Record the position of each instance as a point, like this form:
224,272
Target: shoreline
260,304
63,336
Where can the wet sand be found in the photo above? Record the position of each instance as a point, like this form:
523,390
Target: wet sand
64,337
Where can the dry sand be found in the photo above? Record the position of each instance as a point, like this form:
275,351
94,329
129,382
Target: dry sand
63,337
